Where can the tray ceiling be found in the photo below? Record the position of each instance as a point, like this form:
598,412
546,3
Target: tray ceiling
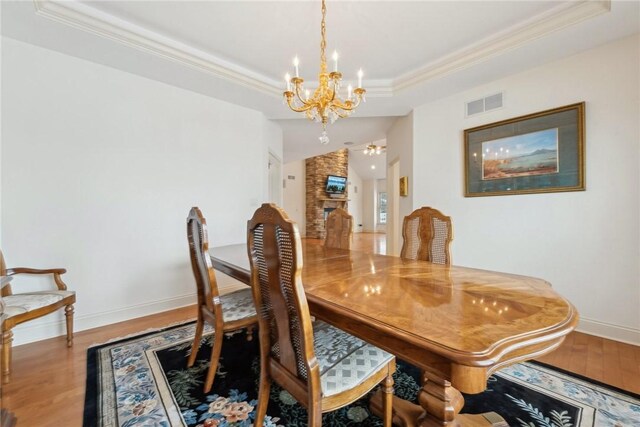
412,52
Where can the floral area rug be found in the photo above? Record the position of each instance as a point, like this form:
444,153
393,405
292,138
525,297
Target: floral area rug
144,381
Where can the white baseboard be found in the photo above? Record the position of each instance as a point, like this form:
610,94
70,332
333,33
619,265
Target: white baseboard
55,326
32,331
609,331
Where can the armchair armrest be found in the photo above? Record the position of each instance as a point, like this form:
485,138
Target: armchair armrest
23,270
55,271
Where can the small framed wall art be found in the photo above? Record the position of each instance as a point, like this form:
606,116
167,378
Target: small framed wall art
537,153
404,186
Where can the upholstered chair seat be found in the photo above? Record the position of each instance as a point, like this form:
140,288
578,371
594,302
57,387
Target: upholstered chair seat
237,305
345,361
30,301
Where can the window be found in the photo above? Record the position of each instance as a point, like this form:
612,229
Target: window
382,207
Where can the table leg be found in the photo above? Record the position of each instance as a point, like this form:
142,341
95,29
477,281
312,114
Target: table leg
440,401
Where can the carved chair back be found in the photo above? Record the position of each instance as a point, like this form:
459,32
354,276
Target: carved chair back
427,235
339,229
286,332
203,273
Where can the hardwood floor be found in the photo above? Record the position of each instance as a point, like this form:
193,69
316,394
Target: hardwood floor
375,243
48,380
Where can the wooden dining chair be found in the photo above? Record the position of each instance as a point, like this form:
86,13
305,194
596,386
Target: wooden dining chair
322,367
339,229
427,235
25,306
229,312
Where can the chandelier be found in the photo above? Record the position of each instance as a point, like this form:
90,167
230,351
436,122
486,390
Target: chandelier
325,104
374,149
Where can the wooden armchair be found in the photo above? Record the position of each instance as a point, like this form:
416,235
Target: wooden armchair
22,307
225,313
339,228
322,367
427,235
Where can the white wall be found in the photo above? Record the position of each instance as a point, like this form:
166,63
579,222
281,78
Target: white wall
369,205
400,150
295,193
99,170
587,243
1,133
355,199
272,139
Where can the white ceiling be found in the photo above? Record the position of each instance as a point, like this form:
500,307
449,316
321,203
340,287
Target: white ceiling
264,36
412,52
301,136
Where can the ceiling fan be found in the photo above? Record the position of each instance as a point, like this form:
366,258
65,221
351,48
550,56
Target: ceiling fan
372,149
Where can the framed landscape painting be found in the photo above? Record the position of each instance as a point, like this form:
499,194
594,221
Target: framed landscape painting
537,153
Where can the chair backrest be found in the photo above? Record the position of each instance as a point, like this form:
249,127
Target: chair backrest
427,235
201,263
339,229
286,332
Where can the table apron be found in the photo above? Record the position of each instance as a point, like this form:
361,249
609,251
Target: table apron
437,365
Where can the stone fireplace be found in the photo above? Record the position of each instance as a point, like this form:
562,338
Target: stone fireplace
327,211
317,200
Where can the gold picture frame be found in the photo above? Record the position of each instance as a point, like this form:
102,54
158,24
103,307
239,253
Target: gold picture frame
404,186
538,153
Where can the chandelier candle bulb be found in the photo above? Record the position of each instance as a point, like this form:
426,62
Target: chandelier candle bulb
349,90
287,78
296,62
360,74
335,61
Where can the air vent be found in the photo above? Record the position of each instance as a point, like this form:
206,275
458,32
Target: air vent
475,107
488,103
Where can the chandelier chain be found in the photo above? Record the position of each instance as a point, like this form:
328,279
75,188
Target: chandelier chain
323,39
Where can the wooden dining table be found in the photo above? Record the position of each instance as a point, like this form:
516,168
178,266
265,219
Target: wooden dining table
458,324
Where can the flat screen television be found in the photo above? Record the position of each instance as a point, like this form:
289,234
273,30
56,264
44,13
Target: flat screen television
336,184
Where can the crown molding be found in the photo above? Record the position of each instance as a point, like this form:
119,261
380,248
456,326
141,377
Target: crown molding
83,17
86,18
375,88
538,26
